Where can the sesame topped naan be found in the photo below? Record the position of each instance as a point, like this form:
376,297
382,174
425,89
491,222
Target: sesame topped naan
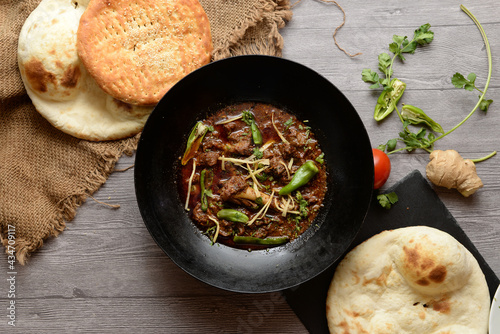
59,85
409,280
136,50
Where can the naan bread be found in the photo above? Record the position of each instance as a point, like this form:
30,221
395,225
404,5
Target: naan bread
409,280
58,84
136,50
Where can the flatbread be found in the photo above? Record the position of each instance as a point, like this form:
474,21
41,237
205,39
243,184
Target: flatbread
136,50
59,85
409,280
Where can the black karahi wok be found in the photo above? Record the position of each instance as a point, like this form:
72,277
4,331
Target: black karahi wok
298,90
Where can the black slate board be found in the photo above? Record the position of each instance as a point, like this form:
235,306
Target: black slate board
418,205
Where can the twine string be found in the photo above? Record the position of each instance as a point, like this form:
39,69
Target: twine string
338,28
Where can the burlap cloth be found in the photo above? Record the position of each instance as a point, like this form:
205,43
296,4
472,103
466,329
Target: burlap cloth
45,174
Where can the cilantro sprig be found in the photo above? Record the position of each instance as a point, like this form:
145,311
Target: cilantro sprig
399,46
387,200
469,83
419,137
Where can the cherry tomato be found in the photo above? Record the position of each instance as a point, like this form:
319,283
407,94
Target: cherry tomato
382,165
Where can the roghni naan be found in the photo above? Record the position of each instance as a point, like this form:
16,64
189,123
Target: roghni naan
137,50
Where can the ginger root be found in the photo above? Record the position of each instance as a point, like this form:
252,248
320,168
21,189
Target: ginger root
448,169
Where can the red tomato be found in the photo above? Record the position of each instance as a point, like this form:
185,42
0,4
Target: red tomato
382,165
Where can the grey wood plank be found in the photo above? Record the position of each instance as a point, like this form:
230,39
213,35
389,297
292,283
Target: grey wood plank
157,315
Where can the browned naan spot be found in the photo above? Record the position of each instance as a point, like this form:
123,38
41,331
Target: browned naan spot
426,263
421,315
71,76
38,76
442,306
412,256
54,21
438,274
423,282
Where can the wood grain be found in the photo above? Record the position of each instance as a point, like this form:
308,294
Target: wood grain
105,274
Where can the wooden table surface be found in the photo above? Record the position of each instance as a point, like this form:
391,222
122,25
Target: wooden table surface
106,274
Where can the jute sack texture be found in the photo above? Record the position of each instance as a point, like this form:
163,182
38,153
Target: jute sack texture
45,174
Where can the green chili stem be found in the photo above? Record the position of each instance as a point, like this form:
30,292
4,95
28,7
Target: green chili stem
488,51
407,147
484,158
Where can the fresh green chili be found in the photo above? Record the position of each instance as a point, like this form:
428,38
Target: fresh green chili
232,215
194,140
303,175
250,121
204,201
260,241
389,99
256,134
416,115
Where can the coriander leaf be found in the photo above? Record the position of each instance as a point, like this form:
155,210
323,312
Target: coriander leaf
302,204
409,47
247,117
398,40
387,84
394,48
423,35
421,133
458,80
288,123
369,76
469,86
485,104
262,176
257,153
387,200
384,63
391,144
472,77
